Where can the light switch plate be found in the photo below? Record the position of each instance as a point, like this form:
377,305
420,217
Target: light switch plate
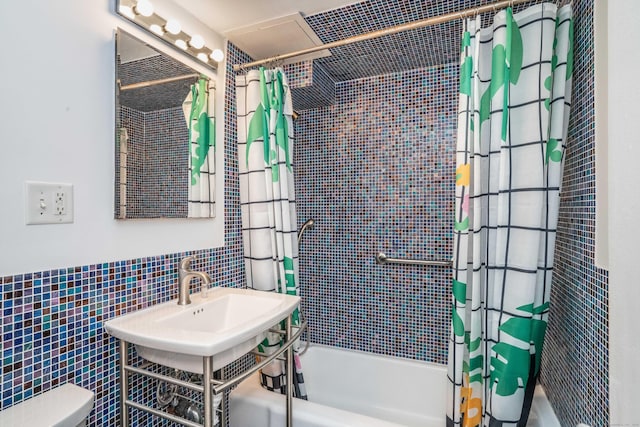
48,203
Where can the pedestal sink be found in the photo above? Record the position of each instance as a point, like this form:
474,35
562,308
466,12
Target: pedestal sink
225,324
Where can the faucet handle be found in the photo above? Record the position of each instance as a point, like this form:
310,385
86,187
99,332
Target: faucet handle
185,263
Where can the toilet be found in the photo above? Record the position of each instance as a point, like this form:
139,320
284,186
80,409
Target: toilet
64,406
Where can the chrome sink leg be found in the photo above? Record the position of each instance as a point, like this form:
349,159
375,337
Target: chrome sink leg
290,373
207,375
219,399
124,384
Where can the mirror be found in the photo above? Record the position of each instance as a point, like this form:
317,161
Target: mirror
165,135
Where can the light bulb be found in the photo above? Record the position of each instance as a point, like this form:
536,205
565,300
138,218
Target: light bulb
144,8
197,41
173,26
217,55
203,57
157,29
181,44
127,11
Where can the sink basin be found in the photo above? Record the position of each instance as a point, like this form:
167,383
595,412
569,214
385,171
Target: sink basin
226,324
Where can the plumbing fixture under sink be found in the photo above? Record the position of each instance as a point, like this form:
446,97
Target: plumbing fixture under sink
226,324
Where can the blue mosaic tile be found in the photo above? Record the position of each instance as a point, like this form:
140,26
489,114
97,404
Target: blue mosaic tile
376,171
154,97
157,181
299,74
318,91
419,48
426,47
577,339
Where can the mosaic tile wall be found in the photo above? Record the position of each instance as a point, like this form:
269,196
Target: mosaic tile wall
157,174
311,86
133,121
575,358
375,171
299,74
52,321
157,159
429,46
156,97
166,177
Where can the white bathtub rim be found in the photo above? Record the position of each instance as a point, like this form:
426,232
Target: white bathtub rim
304,412
380,386
395,359
252,398
542,413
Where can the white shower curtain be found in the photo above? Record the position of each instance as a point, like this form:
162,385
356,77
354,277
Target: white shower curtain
199,113
267,198
515,94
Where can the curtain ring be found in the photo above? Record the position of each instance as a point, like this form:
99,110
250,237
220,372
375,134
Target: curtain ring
275,63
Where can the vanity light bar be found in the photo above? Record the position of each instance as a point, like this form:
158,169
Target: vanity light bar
142,13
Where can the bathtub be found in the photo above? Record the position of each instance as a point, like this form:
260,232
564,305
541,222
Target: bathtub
357,389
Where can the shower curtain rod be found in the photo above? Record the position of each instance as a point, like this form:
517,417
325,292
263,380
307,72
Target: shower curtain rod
387,31
157,82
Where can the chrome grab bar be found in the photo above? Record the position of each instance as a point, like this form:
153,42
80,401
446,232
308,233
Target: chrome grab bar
381,258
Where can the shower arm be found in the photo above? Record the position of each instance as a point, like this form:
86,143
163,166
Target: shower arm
308,224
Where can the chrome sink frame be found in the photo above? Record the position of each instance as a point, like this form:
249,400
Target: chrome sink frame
210,386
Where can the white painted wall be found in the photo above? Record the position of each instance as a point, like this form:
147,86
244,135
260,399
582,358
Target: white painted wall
624,209
57,125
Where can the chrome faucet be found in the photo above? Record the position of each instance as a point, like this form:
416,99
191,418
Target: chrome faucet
185,275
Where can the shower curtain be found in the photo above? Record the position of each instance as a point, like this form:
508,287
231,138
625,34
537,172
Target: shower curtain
267,199
515,94
199,108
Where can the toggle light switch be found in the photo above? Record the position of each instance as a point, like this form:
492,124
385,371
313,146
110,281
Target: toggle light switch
49,203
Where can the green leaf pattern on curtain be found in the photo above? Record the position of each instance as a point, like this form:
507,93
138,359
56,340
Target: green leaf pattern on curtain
258,128
502,278
460,295
466,68
199,108
271,107
506,67
202,131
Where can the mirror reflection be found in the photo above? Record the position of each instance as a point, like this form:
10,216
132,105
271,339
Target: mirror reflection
165,135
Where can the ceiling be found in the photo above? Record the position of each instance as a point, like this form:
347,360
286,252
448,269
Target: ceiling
226,15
